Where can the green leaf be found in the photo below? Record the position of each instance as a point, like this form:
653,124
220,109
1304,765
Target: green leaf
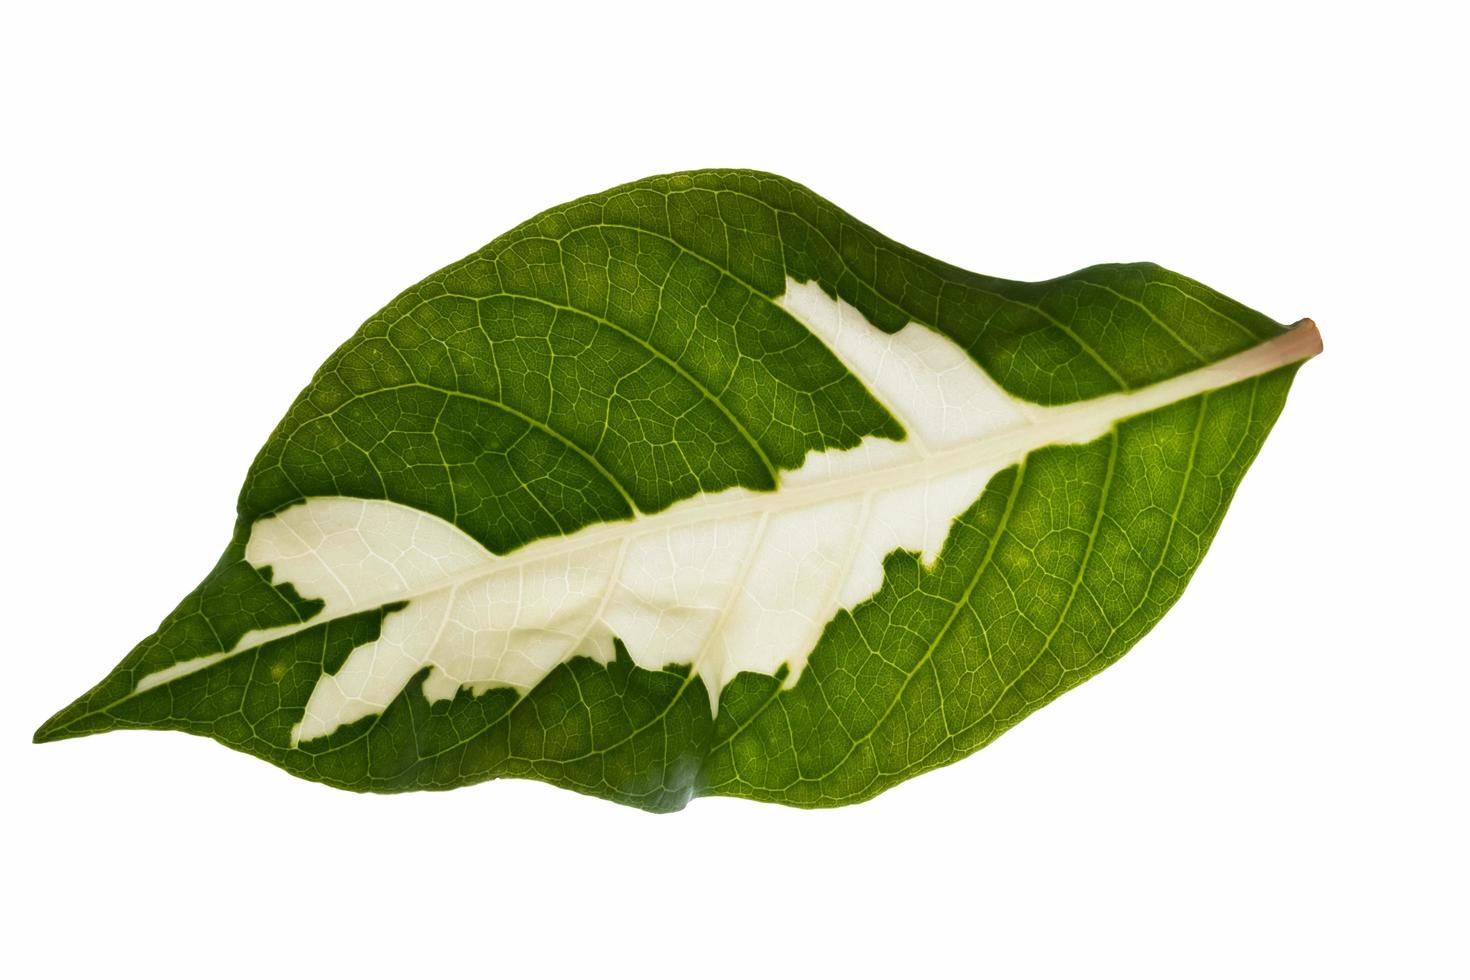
701,486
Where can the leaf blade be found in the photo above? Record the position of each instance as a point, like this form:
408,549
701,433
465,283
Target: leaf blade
612,407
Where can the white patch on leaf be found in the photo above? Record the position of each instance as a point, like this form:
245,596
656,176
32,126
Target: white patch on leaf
729,582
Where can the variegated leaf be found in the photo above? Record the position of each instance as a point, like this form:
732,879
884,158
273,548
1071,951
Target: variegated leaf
700,486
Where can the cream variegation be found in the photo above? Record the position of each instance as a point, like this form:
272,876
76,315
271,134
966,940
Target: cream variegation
728,582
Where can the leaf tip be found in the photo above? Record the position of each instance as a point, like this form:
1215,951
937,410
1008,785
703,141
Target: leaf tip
60,725
49,732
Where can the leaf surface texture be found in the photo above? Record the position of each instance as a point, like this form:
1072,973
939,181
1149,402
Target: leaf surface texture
702,486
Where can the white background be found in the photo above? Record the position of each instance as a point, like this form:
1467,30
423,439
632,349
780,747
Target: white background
199,206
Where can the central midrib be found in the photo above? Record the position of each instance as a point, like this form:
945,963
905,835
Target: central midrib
1057,425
